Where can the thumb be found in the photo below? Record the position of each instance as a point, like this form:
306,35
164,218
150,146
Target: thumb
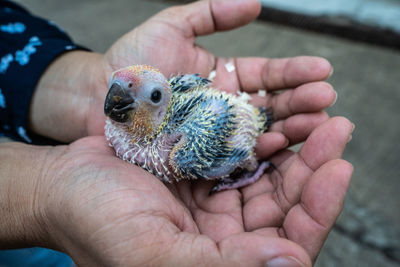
208,16
244,249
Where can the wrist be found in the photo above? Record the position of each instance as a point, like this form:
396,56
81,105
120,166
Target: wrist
72,88
22,194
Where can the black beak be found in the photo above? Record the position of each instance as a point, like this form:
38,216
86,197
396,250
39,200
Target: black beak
118,103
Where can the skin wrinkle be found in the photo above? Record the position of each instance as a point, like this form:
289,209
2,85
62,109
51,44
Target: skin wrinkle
212,60
267,70
284,77
246,201
180,222
278,196
283,189
121,196
219,249
186,32
214,24
281,232
264,78
95,94
211,245
36,205
288,103
96,233
155,243
52,161
307,165
88,99
304,207
187,205
184,197
197,209
173,26
182,225
237,74
193,247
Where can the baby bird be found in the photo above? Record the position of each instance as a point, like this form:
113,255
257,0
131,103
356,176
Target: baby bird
182,128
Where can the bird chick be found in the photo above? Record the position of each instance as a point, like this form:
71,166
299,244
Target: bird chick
181,128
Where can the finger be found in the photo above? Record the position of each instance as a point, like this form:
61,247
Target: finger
267,206
298,127
260,209
327,142
270,142
276,74
245,249
205,17
218,215
309,222
93,144
310,97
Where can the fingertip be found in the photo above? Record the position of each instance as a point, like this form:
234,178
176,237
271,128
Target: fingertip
327,96
315,68
342,168
312,97
254,249
324,67
229,14
269,143
327,142
320,66
343,124
298,127
325,193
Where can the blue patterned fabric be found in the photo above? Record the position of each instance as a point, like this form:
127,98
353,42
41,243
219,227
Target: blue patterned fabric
28,44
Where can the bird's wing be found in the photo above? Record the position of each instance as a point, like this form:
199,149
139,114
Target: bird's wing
208,122
186,82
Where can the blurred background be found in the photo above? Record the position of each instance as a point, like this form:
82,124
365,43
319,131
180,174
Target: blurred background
361,38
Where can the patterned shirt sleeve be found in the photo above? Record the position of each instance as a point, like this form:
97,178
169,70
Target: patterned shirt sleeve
28,44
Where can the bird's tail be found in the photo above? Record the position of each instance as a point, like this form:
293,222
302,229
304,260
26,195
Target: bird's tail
266,118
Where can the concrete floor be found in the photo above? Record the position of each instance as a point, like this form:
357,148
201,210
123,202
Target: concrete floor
367,81
378,13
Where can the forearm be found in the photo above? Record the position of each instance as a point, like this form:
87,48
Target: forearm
20,182
30,46
66,94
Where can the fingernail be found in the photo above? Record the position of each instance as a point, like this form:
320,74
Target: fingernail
352,130
286,142
331,73
350,137
284,262
334,101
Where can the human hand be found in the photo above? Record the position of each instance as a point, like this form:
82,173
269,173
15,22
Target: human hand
167,41
105,212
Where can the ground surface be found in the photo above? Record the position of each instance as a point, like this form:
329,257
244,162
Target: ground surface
366,79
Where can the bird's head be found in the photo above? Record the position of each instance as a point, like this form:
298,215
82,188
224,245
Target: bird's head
138,97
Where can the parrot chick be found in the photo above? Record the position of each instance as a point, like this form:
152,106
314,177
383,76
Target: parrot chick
182,128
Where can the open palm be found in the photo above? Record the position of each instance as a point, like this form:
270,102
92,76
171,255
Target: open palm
115,213
104,211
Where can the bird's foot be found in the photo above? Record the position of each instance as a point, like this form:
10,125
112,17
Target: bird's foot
245,178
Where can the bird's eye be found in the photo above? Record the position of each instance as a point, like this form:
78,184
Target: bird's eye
155,96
